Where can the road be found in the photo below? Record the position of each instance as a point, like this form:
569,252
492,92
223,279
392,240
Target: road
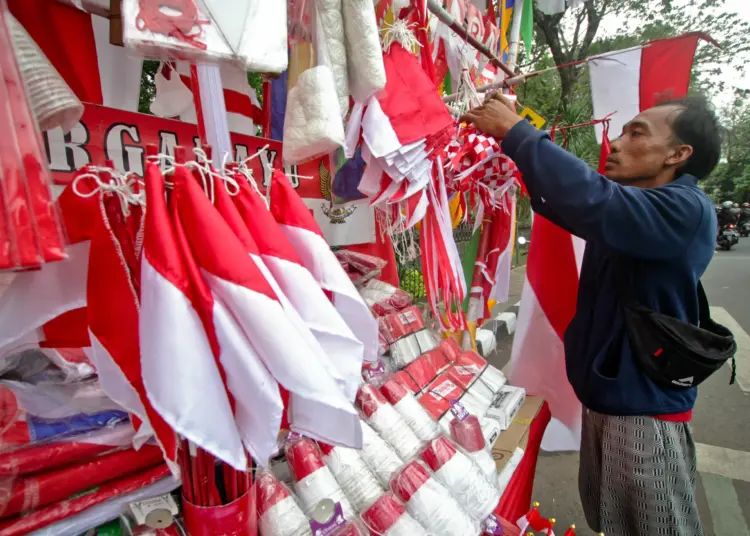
721,424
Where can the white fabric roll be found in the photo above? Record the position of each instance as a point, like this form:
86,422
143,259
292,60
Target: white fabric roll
363,52
406,526
322,485
421,422
393,428
379,455
483,458
358,482
437,511
468,484
285,518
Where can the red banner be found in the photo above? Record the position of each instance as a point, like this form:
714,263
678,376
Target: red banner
108,134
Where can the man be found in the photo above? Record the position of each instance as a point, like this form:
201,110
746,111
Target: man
637,463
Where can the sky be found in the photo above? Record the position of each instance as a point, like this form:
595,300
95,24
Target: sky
729,74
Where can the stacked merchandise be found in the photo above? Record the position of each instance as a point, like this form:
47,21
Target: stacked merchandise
66,449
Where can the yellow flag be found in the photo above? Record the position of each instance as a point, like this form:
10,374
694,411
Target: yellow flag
534,118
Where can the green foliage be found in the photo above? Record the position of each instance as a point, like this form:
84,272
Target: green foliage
148,89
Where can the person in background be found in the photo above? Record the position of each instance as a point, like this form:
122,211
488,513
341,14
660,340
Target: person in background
726,214
637,464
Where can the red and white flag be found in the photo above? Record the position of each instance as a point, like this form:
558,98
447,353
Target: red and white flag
626,82
112,306
338,342
300,228
180,373
319,408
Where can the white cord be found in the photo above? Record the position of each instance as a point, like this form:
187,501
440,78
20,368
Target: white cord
379,455
393,428
359,484
418,419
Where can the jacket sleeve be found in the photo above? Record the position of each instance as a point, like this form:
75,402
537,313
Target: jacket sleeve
650,223
543,209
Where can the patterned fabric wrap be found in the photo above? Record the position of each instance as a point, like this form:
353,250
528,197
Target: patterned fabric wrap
637,476
475,163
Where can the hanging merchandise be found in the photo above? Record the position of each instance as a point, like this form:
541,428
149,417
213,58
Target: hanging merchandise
388,517
406,404
30,228
431,504
363,53
314,481
383,298
278,511
301,230
357,481
331,331
388,422
252,33
330,47
462,477
379,456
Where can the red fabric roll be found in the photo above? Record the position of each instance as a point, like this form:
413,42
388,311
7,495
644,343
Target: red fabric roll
46,488
37,458
304,458
17,526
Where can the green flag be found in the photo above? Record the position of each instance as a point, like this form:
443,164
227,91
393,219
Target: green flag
527,25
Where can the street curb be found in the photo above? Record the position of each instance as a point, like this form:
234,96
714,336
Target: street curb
503,326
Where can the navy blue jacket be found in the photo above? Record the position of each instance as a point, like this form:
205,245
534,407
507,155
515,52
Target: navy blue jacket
668,236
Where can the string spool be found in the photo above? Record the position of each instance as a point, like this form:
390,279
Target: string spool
278,512
464,479
314,481
407,405
388,422
379,455
358,482
431,504
388,517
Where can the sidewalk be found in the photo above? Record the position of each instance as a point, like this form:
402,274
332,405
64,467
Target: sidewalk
503,322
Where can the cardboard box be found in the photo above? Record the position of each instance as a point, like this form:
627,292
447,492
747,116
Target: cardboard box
506,404
517,434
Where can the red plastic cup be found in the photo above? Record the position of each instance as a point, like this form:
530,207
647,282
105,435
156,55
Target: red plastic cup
383,514
238,518
438,452
393,391
369,399
270,492
304,458
409,480
468,434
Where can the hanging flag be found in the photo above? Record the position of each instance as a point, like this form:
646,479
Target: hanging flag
179,369
626,82
506,13
527,25
300,228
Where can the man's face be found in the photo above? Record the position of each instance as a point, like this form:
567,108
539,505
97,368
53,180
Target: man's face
646,147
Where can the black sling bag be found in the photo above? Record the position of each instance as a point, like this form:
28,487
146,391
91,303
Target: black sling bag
670,351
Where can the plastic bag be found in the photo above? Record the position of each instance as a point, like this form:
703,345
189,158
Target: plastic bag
367,266
383,298
387,422
388,517
279,513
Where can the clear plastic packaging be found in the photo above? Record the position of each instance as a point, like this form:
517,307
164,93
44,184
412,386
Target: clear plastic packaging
383,298
367,266
388,517
314,481
388,422
278,511
379,456
466,432
470,486
358,482
431,504
406,404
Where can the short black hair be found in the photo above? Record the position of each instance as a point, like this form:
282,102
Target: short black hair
697,125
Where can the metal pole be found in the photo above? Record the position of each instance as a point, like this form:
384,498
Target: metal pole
515,34
463,33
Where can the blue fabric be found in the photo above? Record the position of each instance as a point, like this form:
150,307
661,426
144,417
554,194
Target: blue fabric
41,429
278,105
510,4
349,176
667,233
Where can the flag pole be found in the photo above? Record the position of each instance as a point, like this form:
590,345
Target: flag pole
515,35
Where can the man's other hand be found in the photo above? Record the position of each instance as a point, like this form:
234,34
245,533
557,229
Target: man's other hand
495,117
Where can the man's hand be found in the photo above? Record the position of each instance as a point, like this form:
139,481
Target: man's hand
495,117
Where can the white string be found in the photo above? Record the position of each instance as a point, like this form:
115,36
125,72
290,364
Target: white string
114,186
400,32
393,428
379,455
356,480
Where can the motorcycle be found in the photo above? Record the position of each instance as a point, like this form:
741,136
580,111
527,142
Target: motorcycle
745,228
728,237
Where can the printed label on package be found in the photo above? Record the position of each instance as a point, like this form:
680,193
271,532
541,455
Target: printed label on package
492,525
332,524
443,389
